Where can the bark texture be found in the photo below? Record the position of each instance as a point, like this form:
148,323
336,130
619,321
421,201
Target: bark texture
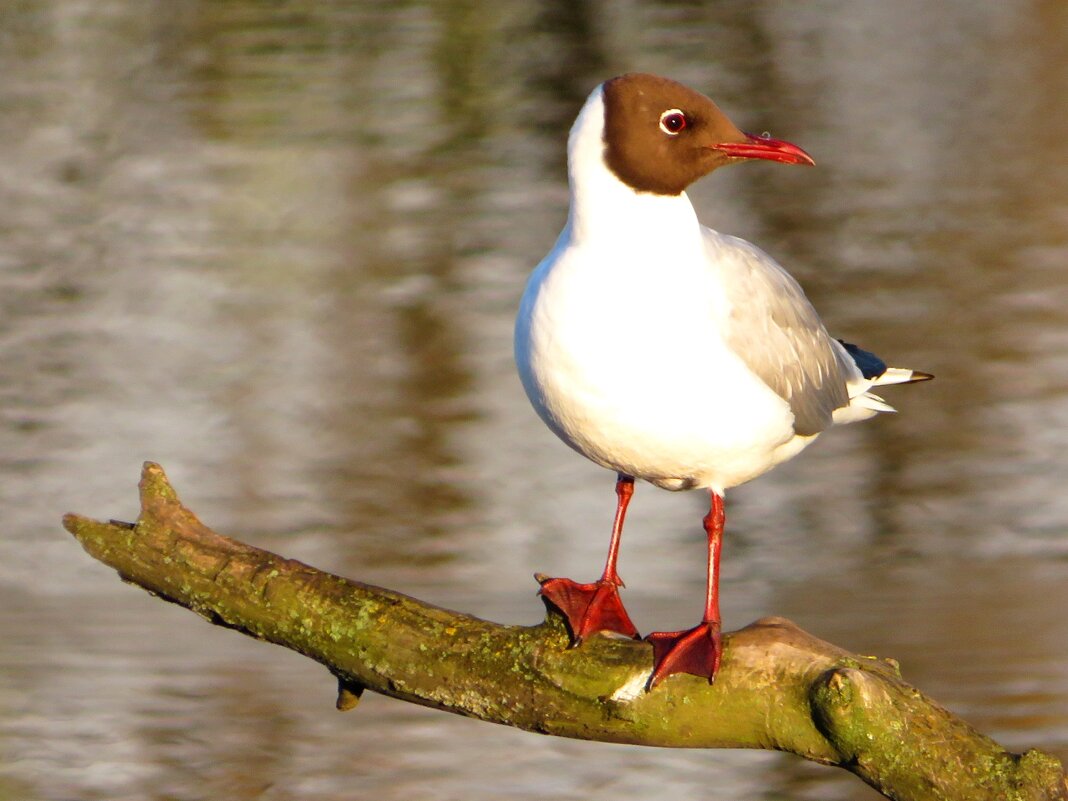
778,687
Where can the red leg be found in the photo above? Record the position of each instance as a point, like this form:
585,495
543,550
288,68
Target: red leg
697,650
590,608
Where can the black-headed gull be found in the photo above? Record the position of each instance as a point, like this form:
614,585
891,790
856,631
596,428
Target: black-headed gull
666,351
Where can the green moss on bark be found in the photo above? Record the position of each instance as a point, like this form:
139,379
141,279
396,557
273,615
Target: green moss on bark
778,687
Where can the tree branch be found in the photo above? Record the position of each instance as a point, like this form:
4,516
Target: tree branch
778,687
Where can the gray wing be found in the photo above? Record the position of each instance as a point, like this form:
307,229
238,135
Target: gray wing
779,336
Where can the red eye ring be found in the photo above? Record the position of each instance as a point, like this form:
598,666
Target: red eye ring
673,121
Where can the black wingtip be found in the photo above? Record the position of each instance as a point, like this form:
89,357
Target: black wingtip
870,365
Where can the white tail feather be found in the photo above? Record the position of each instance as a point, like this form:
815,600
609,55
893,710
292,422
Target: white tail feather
861,407
872,401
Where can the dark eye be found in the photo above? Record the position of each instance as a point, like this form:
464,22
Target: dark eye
672,121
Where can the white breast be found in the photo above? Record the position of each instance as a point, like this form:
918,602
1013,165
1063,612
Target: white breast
620,347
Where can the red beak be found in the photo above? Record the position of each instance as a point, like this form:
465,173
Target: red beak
764,147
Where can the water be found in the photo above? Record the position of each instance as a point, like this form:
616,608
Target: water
278,248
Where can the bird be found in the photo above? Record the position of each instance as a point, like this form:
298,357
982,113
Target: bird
666,351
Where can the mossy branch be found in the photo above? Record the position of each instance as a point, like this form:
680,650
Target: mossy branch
778,688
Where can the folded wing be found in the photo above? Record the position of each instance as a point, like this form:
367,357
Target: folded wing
773,328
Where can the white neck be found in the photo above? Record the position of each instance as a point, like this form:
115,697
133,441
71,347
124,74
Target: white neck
602,203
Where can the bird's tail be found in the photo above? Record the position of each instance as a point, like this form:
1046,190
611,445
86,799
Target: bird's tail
863,403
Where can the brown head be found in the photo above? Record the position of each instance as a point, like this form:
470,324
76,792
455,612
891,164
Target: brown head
660,136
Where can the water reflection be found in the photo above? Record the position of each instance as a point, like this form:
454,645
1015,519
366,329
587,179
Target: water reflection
278,248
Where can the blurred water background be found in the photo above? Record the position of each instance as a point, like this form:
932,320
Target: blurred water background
278,246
